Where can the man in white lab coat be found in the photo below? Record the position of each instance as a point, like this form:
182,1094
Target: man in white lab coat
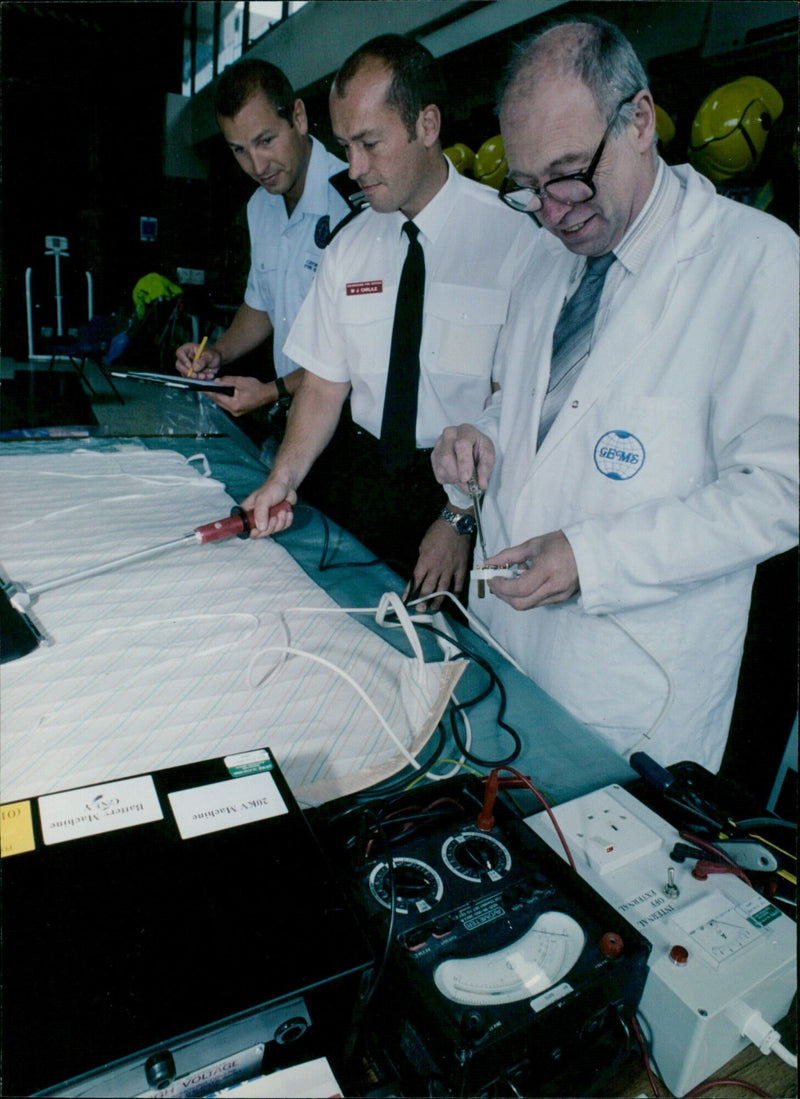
641,496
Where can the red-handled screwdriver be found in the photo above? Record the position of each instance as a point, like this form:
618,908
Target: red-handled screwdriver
238,524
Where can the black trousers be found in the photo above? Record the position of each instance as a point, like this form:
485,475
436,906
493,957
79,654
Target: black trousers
388,513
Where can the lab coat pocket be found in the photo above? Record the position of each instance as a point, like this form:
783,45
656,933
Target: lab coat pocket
466,323
629,450
366,317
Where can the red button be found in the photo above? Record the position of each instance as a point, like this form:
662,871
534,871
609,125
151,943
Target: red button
679,955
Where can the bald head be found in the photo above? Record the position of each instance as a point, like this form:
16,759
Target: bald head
575,105
591,51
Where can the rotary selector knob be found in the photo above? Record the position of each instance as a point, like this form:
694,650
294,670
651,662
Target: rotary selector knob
416,886
476,856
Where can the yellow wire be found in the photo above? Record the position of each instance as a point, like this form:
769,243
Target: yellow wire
455,762
774,846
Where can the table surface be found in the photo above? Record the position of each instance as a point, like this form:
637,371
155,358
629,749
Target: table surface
563,758
769,1074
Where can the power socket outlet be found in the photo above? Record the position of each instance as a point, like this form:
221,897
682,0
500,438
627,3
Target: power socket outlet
603,833
738,951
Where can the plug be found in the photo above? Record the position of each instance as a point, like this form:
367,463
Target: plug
485,819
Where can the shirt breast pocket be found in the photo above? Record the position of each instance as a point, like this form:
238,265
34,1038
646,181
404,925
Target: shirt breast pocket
264,268
465,324
366,320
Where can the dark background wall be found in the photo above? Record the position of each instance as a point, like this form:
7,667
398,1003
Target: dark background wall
82,123
83,95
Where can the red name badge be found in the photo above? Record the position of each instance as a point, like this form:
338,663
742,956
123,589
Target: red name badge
374,286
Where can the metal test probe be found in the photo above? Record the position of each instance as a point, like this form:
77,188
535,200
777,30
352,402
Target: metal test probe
487,572
237,525
475,493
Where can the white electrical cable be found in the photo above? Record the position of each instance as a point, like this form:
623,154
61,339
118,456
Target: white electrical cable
462,759
786,1055
390,603
753,1026
474,623
291,651
178,622
168,480
650,733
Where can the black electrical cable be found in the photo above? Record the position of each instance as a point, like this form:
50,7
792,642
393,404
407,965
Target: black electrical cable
766,822
494,681
401,785
325,566
418,820
368,993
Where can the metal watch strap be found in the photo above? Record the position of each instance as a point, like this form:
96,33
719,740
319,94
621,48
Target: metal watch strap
461,524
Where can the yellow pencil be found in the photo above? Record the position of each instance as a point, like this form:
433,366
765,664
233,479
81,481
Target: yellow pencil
197,355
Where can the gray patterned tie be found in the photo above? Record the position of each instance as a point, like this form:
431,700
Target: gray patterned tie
572,338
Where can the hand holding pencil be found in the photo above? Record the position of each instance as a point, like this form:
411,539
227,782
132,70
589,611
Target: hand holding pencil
198,361
197,354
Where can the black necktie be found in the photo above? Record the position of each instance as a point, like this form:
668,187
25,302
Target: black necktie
572,338
399,424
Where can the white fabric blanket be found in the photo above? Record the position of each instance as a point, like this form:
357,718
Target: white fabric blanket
163,661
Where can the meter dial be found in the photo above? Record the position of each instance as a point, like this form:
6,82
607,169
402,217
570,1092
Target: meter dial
476,856
539,959
417,886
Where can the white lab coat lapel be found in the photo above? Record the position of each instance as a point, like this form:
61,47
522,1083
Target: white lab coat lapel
545,306
622,341
624,338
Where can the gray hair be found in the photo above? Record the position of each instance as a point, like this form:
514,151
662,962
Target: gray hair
587,48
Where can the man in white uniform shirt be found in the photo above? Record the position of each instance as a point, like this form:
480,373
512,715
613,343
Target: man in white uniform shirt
290,218
640,502
385,114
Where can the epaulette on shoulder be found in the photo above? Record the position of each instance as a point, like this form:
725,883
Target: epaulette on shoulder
348,189
345,221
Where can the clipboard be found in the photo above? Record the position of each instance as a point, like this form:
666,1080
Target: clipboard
175,381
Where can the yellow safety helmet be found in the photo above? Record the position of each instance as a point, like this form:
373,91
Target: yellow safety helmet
461,156
490,165
731,126
665,127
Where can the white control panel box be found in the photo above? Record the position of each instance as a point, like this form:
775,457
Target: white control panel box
721,952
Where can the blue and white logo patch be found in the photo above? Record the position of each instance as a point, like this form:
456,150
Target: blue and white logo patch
619,455
322,231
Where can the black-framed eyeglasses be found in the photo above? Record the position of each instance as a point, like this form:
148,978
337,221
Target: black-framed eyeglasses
570,190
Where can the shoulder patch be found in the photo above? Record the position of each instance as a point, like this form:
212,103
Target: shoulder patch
322,231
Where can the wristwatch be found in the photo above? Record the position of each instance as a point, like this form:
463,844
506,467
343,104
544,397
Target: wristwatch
461,524
284,396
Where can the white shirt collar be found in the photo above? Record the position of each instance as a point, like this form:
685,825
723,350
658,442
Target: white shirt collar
314,199
431,219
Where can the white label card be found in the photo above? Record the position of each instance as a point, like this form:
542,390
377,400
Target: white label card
91,810
226,804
